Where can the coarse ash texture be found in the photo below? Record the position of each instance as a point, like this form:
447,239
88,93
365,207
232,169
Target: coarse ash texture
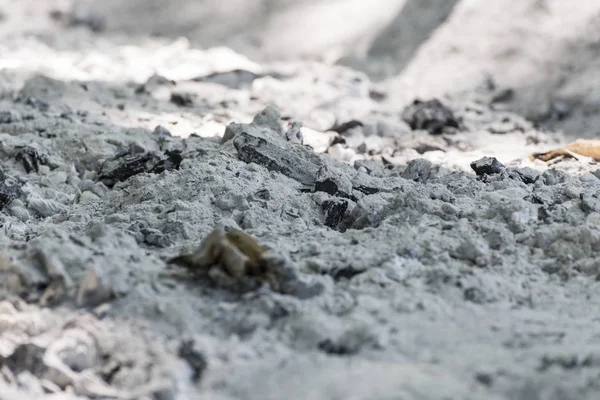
421,279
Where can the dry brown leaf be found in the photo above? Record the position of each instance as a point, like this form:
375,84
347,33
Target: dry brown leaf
581,147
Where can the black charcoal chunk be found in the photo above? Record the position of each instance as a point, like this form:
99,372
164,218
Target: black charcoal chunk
182,99
432,116
526,175
333,182
30,159
172,162
328,186
334,211
347,272
125,165
341,128
338,349
291,162
366,190
487,166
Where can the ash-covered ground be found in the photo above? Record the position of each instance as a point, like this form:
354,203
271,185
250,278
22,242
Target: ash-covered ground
425,255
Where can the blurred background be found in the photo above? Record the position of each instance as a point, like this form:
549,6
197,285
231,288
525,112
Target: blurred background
542,54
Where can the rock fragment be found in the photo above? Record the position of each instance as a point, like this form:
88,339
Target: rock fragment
334,183
131,162
30,159
293,163
487,166
432,116
418,170
171,162
526,175
125,165
269,118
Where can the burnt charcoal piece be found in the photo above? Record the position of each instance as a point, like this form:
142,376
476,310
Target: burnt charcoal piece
328,186
182,99
334,212
173,161
125,165
330,347
293,163
366,190
9,190
432,116
526,175
487,166
30,159
348,272
194,358
346,126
